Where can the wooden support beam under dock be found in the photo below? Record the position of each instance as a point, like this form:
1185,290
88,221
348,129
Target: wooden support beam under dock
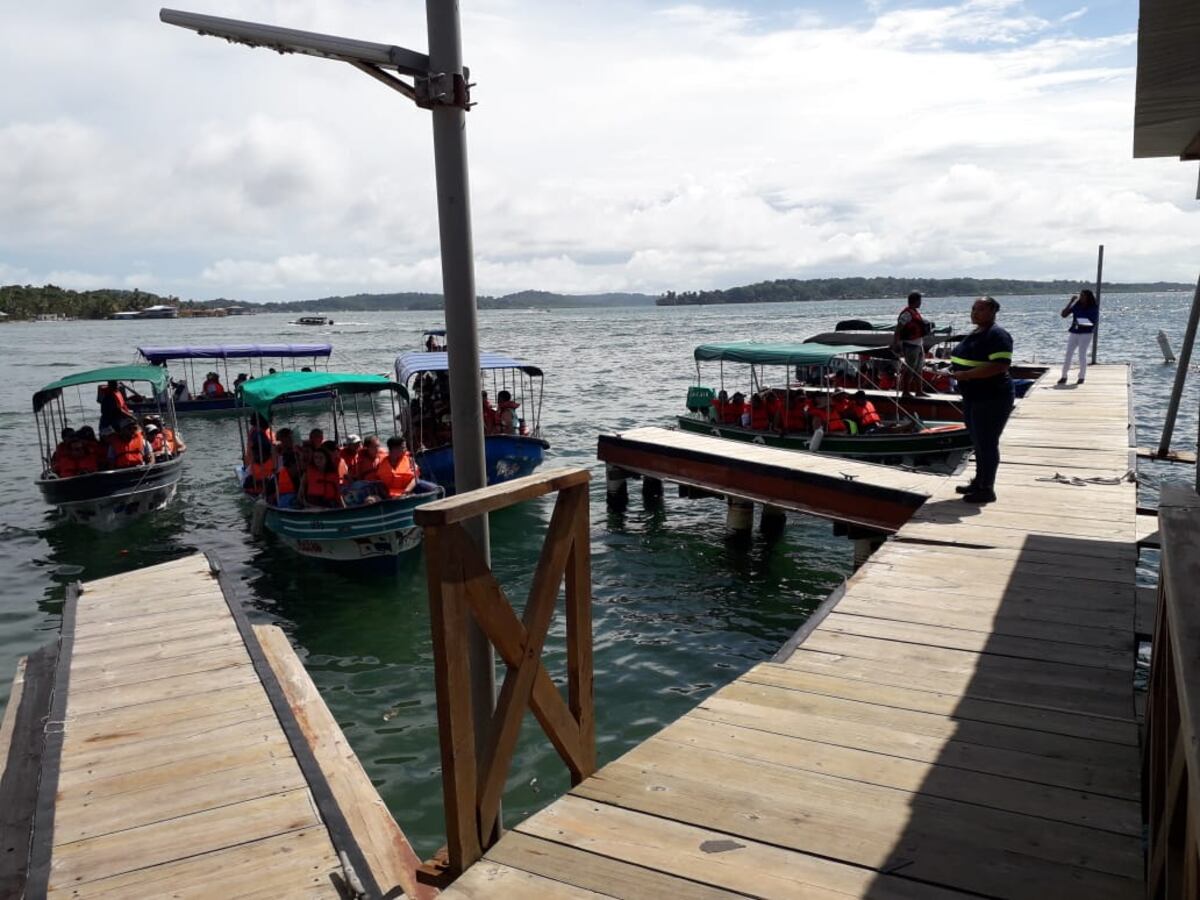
957,720
187,754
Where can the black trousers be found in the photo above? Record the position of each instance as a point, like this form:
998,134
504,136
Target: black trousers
985,419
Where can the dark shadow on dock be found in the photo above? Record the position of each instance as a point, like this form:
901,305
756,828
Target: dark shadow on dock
1035,791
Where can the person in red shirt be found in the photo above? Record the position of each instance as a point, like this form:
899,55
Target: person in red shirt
397,471
351,453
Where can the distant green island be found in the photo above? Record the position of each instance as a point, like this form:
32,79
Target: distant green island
50,301
792,290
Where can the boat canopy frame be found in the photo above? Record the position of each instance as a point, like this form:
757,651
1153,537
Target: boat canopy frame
160,356
50,410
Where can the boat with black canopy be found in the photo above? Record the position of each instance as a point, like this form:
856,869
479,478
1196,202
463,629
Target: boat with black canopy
513,441
363,523
208,395
802,412
102,476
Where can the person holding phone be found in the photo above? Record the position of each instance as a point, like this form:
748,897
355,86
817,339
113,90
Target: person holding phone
1085,314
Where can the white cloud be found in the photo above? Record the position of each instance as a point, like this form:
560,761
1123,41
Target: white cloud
623,148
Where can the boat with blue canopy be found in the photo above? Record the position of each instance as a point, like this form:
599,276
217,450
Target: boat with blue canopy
362,522
513,394
796,396
108,475
211,393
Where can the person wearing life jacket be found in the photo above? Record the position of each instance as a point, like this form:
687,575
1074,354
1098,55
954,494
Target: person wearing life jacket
909,340
491,418
351,453
212,389
507,408
128,447
397,472
259,456
736,412
367,460
321,484
759,420
98,451
717,406
825,415
65,437
76,458
795,415
842,409
287,470
864,411
113,406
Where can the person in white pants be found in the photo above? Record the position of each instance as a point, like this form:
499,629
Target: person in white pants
1085,313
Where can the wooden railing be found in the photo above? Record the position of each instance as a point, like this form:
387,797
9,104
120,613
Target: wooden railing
1172,749
461,586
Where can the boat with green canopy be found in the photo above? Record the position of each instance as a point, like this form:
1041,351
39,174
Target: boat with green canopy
360,521
125,466
803,409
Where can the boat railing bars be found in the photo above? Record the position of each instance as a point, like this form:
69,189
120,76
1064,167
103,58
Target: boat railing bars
461,588
1171,764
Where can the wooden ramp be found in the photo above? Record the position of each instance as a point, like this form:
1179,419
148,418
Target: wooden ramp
957,720
187,754
843,490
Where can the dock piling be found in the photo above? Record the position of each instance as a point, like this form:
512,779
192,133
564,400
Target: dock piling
616,489
739,517
652,490
772,520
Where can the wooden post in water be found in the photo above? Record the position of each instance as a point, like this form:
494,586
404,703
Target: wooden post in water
1099,280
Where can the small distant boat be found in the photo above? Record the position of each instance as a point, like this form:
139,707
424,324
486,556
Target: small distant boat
899,438
369,529
105,499
509,453
313,320
221,397
160,311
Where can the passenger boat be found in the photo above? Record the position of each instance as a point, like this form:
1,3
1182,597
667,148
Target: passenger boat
222,356
901,438
105,499
366,528
313,320
508,454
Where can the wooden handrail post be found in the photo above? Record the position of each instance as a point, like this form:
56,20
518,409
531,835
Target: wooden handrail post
462,588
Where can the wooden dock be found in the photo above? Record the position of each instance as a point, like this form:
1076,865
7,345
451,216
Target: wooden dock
185,754
847,491
957,720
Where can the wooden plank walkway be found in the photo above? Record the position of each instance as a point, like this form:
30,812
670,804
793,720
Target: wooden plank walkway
188,755
843,490
957,721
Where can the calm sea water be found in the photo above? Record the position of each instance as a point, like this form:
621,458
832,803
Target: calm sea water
677,612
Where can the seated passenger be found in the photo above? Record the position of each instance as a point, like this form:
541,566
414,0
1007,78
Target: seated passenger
774,407
65,438
841,406
350,454
91,443
738,412
212,389
507,408
717,406
259,456
287,470
368,459
491,418
759,420
864,411
128,447
241,378
824,415
321,484
397,471
180,390
76,458
796,413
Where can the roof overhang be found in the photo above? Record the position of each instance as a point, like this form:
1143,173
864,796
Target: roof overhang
1166,119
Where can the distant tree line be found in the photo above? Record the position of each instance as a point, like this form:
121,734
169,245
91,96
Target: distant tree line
789,290
28,301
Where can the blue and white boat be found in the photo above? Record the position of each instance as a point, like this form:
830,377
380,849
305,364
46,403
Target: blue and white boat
513,441
186,389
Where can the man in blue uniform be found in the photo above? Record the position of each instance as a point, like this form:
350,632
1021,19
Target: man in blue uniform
980,364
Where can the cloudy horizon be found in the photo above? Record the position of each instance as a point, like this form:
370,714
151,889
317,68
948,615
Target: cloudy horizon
629,146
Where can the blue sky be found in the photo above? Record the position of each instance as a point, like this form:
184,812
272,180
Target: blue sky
620,146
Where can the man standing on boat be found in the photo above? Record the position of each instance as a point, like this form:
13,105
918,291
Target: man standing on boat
909,340
980,364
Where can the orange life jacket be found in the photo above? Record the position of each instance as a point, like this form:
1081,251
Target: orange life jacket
491,419
67,466
127,454
758,416
796,418
396,479
283,481
731,413
914,330
866,413
350,459
322,485
830,420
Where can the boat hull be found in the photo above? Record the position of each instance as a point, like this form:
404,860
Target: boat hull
353,534
942,450
110,500
509,456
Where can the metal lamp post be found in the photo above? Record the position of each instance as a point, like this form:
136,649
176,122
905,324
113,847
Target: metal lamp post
439,83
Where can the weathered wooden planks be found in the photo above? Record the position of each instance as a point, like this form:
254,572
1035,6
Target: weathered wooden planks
961,723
